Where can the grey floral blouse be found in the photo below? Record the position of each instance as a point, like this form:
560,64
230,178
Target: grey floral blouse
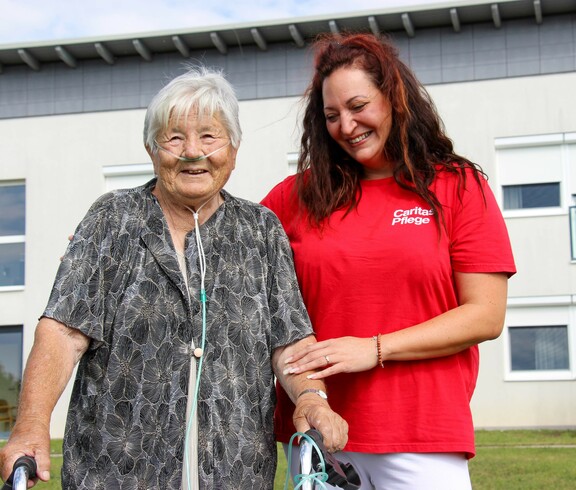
120,284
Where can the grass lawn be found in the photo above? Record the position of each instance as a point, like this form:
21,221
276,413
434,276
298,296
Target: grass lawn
505,460
527,460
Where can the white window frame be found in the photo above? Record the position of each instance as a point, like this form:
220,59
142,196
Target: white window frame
110,172
559,139
572,225
537,312
7,239
292,159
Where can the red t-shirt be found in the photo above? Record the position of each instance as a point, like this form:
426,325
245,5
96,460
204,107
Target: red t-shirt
383,267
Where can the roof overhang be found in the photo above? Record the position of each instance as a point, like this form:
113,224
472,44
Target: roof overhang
299,31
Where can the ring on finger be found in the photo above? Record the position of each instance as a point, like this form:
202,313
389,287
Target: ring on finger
327,360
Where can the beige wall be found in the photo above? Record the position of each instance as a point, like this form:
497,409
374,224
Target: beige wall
475,115
523,404
61,159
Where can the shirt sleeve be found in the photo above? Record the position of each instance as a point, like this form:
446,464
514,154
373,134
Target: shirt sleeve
290,321
280,195
79,294
479,239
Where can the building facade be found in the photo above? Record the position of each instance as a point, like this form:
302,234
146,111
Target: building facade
502,74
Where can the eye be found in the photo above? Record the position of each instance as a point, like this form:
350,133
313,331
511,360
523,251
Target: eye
331,117
174,139
359,107
208,138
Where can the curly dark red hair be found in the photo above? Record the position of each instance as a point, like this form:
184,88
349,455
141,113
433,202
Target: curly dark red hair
328,178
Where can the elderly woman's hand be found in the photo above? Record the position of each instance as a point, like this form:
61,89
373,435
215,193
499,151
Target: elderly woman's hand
314,412
333,356
27,440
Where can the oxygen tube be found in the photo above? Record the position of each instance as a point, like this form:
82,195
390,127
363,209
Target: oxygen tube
202,267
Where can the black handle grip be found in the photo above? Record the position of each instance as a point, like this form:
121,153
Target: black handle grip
29,463
315,436
342,475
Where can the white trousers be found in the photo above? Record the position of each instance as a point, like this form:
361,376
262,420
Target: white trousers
402,471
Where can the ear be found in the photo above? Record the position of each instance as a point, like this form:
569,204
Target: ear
233,154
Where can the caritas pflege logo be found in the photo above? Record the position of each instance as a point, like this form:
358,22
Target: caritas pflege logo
415,216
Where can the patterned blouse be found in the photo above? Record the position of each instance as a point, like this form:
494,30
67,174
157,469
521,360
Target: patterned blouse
120,284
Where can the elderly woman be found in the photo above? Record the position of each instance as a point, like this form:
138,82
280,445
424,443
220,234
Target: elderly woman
180,303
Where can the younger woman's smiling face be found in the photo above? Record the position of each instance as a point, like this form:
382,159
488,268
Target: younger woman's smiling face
359,119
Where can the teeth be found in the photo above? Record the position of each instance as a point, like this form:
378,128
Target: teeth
360,138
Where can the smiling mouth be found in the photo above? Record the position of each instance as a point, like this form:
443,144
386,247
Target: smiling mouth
360,138
194,171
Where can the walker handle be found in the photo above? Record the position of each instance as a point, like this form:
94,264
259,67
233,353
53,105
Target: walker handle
24,469
342,475
306,450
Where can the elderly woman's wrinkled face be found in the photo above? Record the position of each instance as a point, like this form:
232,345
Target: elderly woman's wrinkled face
193,183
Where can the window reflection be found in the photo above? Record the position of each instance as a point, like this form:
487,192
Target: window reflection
539,348
10,375
12,204
12,264
12,234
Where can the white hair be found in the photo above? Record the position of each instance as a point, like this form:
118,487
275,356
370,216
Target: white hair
199,89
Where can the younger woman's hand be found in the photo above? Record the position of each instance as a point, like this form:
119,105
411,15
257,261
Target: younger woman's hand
341,355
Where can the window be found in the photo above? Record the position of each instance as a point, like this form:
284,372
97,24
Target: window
539,348
539,339
292,163
12,235
10,375
127,176
531,196
536,173
572,219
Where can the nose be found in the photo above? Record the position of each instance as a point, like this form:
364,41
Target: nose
192,148
347,123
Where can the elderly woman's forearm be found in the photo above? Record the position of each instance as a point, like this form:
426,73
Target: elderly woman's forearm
294,384
56,351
